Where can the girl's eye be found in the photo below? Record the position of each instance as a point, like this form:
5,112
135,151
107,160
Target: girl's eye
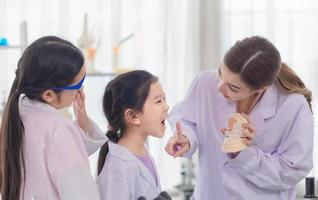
158,101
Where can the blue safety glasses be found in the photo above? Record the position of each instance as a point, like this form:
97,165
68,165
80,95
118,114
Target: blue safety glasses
71,87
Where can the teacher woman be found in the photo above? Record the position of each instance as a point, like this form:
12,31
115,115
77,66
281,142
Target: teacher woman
251,80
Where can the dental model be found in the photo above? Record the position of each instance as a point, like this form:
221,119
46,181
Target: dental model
233,141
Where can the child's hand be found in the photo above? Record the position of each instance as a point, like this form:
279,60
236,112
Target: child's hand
80,111
177,144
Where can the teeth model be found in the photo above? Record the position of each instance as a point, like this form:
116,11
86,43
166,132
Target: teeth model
233,141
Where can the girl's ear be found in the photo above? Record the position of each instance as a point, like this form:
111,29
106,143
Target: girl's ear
48,96
132,117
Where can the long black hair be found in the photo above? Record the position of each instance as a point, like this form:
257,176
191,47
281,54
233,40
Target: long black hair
126,91
48,62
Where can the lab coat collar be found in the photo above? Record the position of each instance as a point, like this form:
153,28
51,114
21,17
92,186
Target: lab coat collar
124,154
25,104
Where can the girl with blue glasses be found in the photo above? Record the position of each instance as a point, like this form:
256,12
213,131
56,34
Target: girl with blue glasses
44,156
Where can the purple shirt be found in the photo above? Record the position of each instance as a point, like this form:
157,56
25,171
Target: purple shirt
148,163
279,157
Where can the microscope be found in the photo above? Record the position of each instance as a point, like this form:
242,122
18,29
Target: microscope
162,196
188,175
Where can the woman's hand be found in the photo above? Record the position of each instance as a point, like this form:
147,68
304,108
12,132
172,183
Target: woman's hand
248,132
80,112
178,144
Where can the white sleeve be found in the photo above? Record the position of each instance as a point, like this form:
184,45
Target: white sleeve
94,139
284,168
185,112
68,168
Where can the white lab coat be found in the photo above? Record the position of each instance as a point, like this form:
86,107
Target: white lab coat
269,169
56,154
125,177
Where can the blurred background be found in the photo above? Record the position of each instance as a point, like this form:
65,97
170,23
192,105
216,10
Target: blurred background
174,39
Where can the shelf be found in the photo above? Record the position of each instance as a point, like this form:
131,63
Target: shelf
102,74
23,39
11,47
